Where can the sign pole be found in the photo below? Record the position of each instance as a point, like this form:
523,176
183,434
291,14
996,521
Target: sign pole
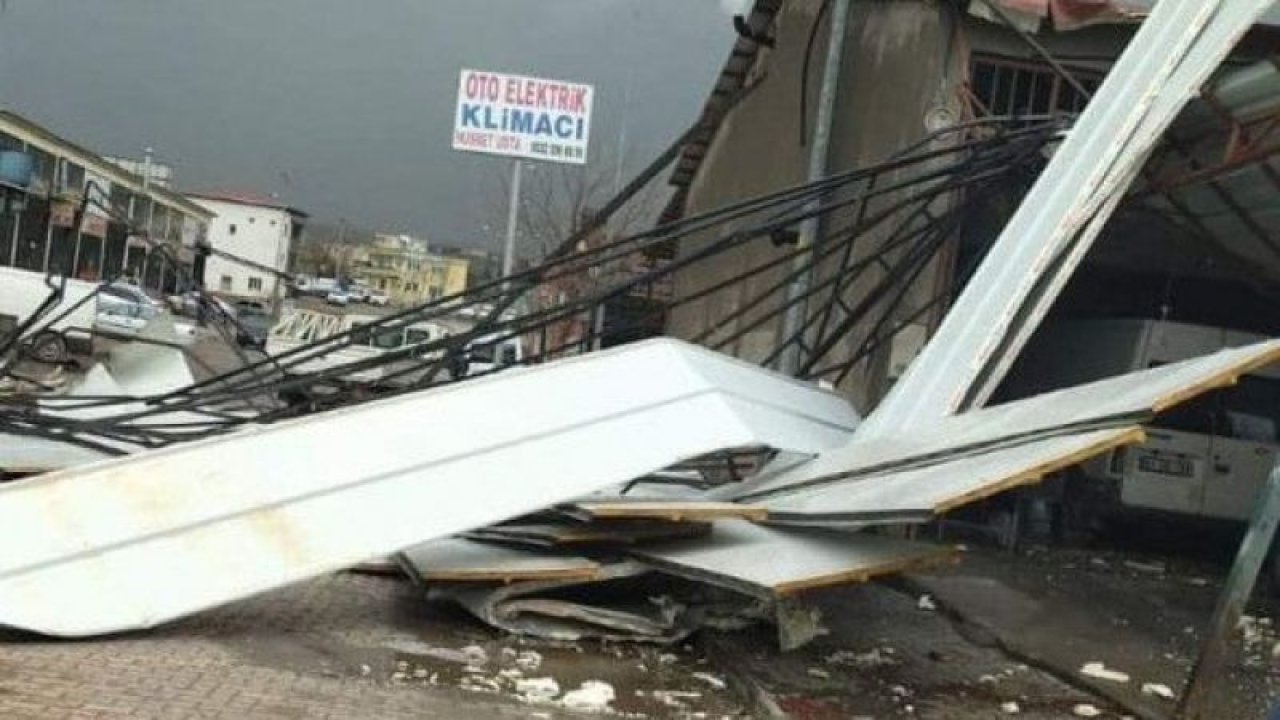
513,220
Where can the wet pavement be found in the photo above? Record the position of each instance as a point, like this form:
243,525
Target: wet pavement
998,635
1141,615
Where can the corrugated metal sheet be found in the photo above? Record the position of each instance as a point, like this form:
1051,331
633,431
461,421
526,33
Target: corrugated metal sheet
137,541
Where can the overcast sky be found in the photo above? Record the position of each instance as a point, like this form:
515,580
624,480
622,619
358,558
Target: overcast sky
345,107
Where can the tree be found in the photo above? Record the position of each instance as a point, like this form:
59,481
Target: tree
556,200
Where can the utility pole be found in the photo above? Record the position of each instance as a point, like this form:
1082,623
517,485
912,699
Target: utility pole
513,221
811,227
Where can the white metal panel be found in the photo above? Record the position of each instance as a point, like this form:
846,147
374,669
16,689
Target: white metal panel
917,494
1167,61
137,541
462,560
769,562
1106,401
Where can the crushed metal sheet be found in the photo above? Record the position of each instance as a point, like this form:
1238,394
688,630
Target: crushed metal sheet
797,560
618,532
80,550
130,370
461,560
531,608
670,510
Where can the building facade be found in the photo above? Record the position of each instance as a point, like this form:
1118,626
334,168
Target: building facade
403,267
67,210
251,236
909,69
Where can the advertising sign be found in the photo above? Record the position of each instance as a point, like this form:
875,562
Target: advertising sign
525,117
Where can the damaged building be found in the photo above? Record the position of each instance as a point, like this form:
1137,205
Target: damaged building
1195,241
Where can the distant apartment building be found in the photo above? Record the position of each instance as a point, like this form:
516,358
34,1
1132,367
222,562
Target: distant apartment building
128,228
250,235
405,269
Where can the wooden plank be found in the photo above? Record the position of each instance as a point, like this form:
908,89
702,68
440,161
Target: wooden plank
672,510
796,560
460,560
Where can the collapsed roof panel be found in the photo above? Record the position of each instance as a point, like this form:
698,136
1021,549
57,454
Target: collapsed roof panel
918,494
1106,404
462,560
797,560
112,546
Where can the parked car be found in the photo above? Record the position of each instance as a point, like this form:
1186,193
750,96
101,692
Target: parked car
315,287
254,326
359,293
124,309
189,305
378,298
252,306
125,299
338,297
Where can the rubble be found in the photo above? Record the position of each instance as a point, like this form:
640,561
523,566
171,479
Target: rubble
591,696
1101,672
537,690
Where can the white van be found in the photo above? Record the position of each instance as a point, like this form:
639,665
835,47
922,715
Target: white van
1209,457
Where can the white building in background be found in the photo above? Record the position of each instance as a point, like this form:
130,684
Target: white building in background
255,228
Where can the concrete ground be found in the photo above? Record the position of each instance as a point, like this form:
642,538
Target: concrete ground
1143,615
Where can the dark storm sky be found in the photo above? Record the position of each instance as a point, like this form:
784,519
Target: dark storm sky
345,107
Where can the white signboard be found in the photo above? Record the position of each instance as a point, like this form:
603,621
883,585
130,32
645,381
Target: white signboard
523,116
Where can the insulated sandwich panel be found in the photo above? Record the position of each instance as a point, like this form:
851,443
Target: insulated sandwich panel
136,541
1117,402
770,562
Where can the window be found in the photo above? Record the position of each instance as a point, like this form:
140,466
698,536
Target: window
255,283
1004,86
231,229
224,283
252,220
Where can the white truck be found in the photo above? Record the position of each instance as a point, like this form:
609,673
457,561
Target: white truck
23,291
1207,458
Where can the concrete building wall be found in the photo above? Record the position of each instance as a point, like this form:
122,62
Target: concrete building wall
904,62
892,75
259,234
